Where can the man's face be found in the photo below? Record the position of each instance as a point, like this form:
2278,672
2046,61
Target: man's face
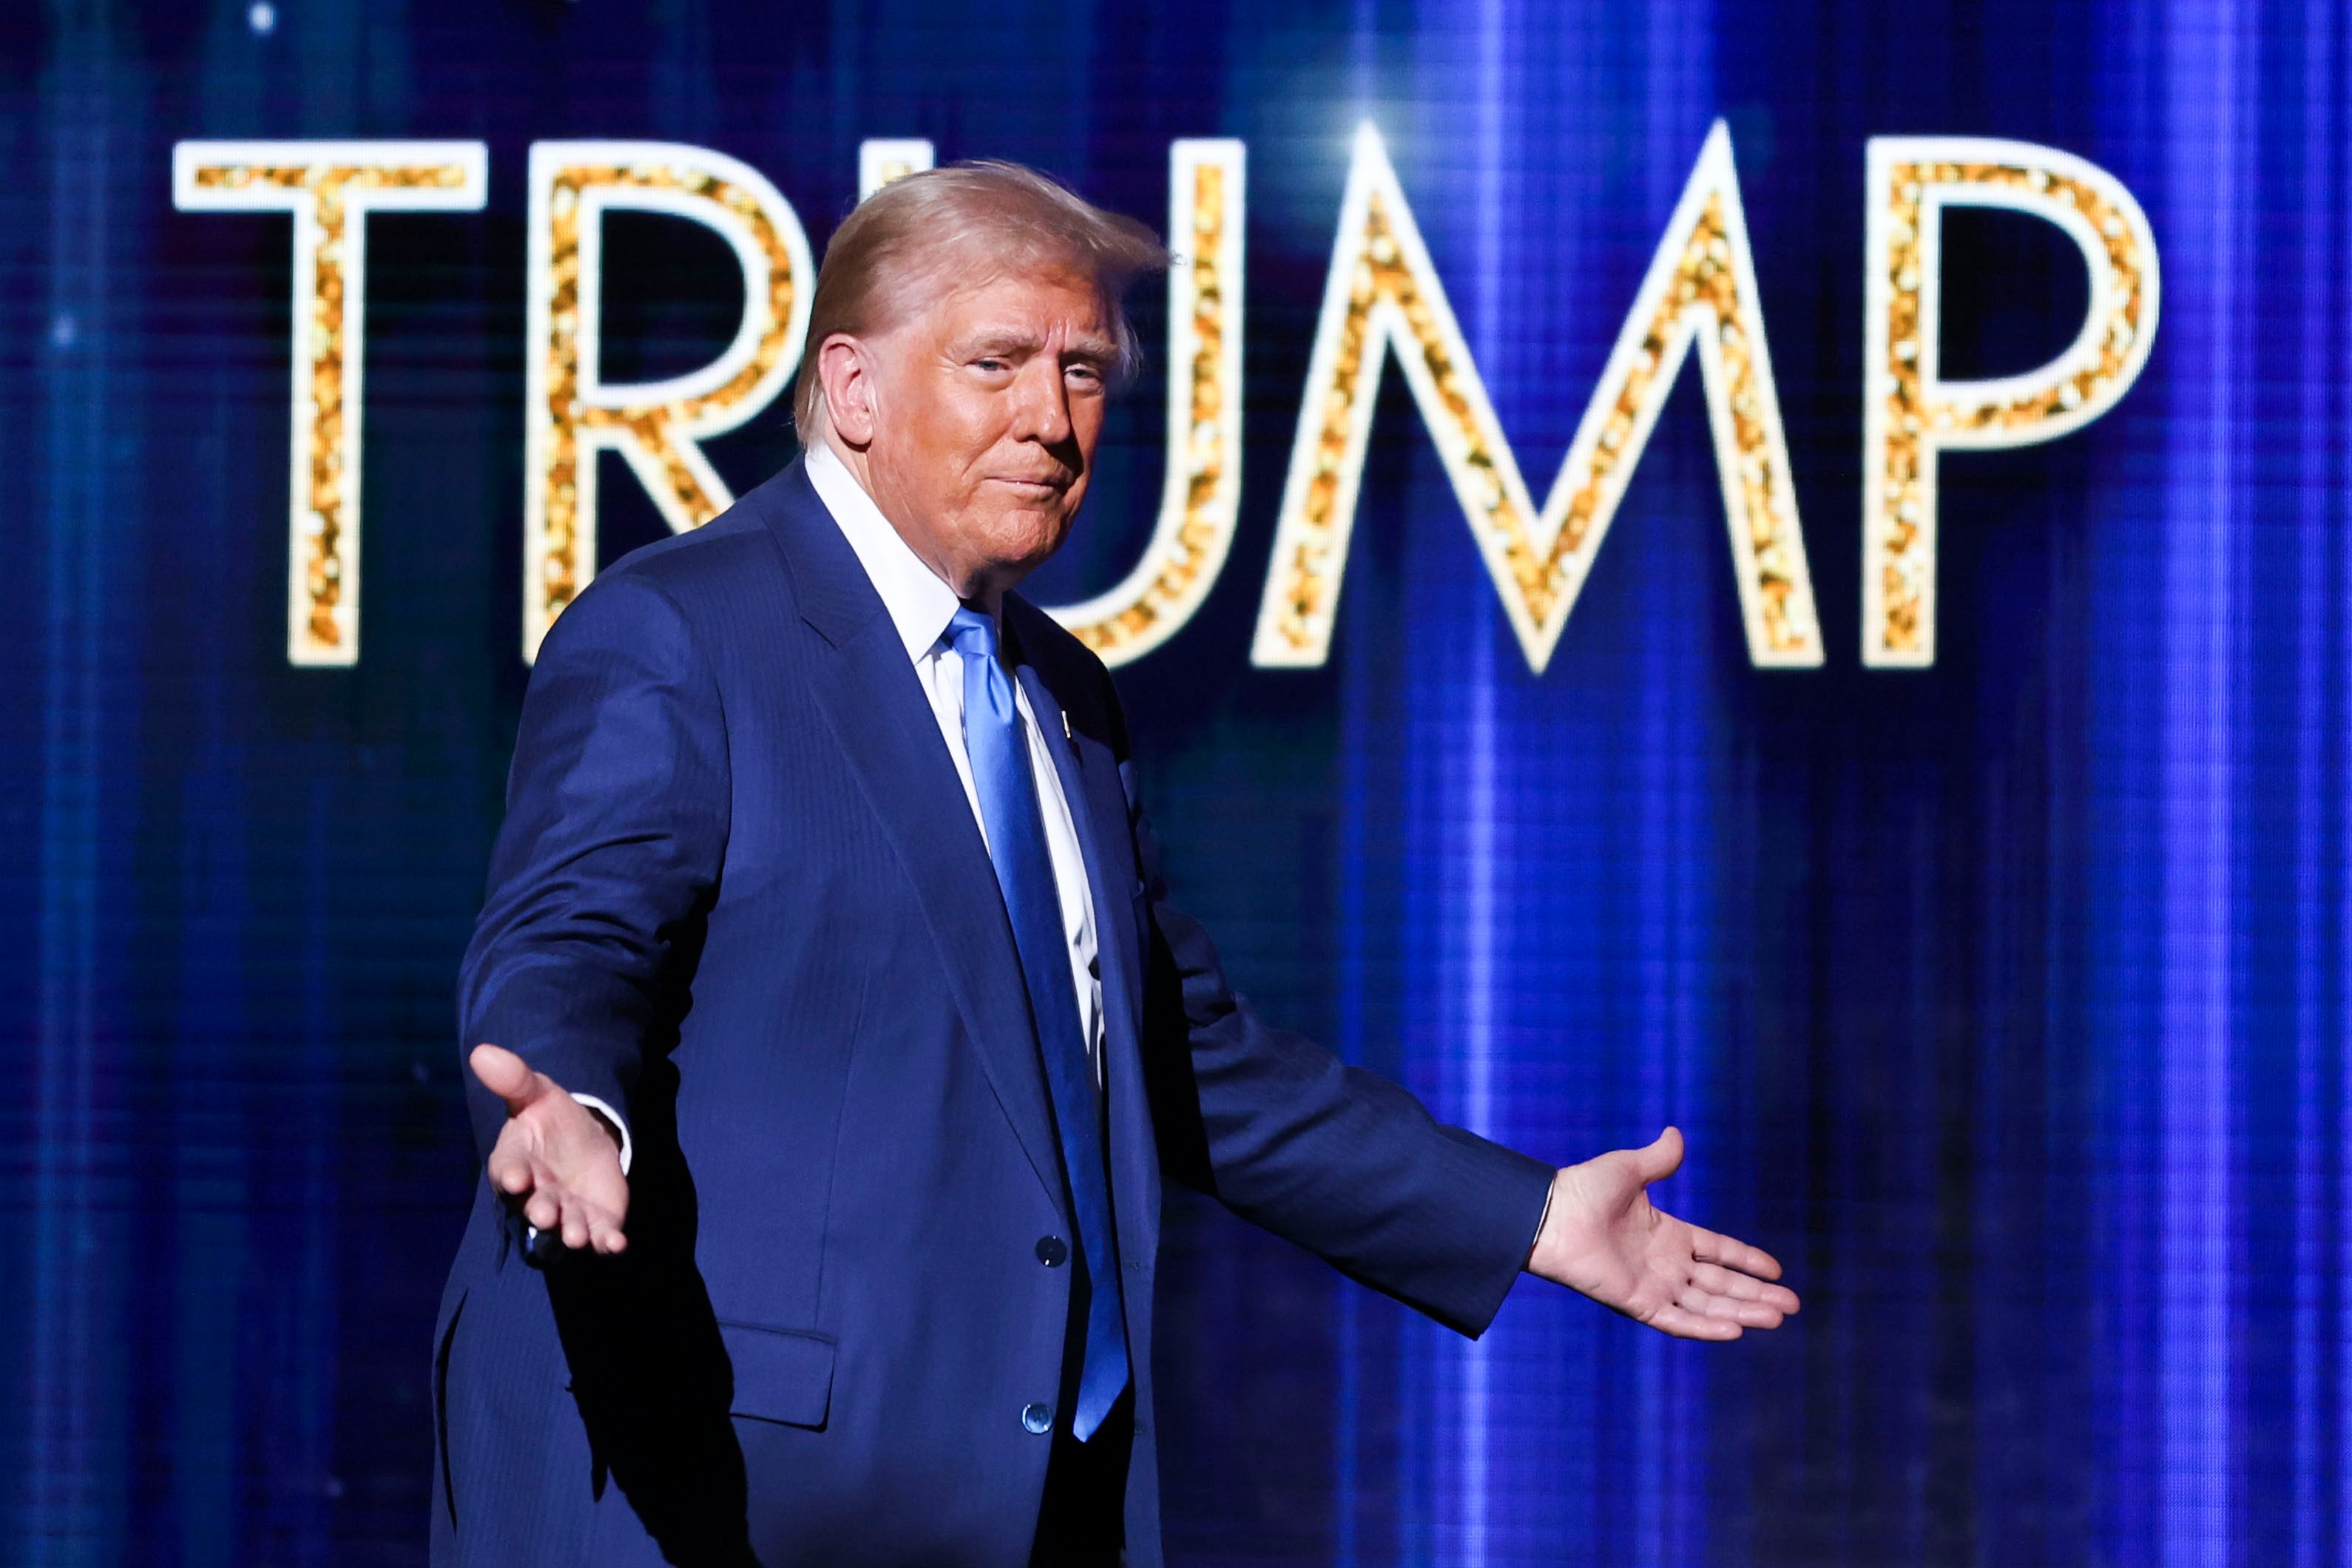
986,408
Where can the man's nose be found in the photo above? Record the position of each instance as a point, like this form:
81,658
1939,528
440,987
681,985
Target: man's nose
1043,403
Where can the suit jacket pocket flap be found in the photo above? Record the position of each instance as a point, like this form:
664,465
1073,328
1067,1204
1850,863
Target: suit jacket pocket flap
780,1374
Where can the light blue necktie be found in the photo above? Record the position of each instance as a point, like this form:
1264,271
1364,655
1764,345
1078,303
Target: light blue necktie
999,749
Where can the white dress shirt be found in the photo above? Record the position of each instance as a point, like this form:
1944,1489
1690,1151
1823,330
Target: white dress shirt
921,605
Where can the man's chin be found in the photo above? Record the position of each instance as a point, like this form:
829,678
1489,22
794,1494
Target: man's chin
1022,545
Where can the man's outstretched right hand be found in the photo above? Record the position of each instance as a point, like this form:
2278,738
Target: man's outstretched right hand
556,1161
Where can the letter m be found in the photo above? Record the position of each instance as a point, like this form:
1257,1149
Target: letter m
1383,296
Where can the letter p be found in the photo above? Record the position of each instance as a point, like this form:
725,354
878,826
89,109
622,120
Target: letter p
1911,413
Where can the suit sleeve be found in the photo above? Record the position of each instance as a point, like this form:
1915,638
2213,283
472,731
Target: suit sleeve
616,822
1335,1158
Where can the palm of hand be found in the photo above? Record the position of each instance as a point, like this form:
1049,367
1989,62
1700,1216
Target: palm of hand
1603,1238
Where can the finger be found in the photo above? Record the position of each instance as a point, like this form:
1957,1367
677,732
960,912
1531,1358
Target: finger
510,1167
1709,1247
610,1217
542,1210
603,1194
576,1227
1747,1314
605,1231
509,1173
508,1076
1693,1300
1662,1159
1688,1325
1720,1281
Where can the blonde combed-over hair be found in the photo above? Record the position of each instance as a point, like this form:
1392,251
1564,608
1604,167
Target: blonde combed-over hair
927,234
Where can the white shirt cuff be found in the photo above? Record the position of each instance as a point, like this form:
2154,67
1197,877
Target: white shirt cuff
619,1126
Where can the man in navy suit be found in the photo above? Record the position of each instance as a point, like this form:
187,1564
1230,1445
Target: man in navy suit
833,1031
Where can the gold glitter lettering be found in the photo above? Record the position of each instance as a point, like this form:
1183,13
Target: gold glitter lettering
572,413
1383,295
1201,496
883,159
330,188
1910,413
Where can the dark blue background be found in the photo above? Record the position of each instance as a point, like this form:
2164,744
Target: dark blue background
2006,1001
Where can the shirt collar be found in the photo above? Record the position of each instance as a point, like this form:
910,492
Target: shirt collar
919,603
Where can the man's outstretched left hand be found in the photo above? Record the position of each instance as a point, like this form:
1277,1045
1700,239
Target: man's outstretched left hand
1602,1238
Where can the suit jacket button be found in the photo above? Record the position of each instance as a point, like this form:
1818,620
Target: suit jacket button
1053,1251
1038,1418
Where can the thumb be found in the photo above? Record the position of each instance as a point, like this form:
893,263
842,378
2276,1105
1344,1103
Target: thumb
509,1077
1660,1158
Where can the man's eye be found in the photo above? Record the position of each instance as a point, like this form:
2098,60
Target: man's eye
990,365
1084,374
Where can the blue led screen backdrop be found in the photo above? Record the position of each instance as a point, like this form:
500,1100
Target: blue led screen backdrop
1826,621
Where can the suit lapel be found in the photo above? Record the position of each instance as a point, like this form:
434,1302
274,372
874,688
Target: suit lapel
874,703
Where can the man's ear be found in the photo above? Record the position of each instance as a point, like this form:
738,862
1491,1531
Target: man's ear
844,368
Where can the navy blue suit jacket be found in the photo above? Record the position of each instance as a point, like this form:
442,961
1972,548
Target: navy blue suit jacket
740,896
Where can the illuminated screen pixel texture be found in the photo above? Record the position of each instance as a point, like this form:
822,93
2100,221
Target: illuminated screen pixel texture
2005,999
